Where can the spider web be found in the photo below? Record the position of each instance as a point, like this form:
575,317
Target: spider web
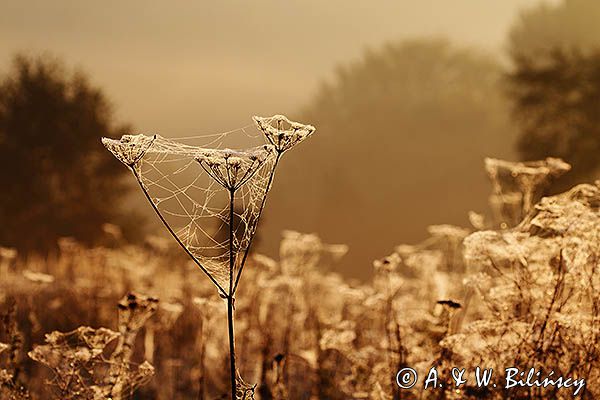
196,206
193,182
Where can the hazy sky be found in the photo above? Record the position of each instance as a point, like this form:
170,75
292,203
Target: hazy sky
183,68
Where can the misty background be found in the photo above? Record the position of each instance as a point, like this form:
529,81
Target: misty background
407,97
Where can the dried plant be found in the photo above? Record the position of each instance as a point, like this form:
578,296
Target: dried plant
85,362
245,176
11,386
525,295
516,186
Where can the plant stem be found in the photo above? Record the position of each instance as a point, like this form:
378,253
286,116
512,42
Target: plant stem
230,298
231,345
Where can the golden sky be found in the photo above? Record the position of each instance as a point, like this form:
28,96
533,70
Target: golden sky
193,67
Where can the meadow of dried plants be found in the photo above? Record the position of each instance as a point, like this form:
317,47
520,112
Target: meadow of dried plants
517,288
100,302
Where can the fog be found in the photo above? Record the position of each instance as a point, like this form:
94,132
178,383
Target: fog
193,68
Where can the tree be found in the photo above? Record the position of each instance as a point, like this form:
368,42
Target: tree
402,134
57,178
557,105
568,24
554,85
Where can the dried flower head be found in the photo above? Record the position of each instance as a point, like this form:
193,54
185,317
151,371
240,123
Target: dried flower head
283,133
233,168
130,148
76,360
80,345
134,311
518,185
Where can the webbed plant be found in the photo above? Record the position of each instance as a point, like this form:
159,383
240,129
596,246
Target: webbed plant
210,199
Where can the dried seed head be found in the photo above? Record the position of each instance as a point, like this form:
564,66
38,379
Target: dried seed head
518,185
234,161
74,347
130,148
214,162
134,311
283,133
233,168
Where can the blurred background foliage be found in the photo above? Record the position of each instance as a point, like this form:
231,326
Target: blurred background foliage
57,180
554,85
409,123
402,133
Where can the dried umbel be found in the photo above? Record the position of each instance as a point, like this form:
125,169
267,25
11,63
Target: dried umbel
134,311
76,360
83,367
233,168
518,185
80,346
130,148
283,133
